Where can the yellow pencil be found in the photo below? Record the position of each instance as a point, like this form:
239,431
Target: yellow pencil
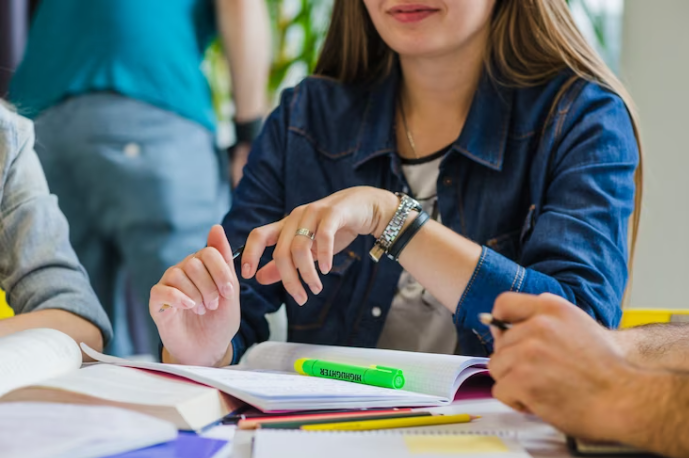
368,425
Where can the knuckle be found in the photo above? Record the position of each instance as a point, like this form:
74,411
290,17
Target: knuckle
157,293
550,303
175,275
317,208
255,234
532,351
194,266
325,234
299,249
300,209
207,254
541,325
501,301
282,255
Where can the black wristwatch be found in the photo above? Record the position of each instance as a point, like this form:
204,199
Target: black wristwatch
245,132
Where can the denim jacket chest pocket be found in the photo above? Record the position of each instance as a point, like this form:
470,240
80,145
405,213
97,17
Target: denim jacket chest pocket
336,289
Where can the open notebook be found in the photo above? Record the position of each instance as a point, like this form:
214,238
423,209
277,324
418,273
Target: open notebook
267,379
44,365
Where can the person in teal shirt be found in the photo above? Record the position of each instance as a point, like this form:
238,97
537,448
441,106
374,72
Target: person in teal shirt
125,127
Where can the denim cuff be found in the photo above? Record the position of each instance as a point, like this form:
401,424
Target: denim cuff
238,349
494,275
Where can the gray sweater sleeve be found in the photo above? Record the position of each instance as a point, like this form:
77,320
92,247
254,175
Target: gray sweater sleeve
38,267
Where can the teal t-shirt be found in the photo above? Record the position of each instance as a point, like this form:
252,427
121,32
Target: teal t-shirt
149,50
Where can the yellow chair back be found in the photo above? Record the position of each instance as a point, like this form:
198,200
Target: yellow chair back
638,317
5,310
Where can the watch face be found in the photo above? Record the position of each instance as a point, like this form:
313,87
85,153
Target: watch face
413,203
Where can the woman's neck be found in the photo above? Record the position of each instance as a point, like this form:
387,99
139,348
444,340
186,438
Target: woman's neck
436,96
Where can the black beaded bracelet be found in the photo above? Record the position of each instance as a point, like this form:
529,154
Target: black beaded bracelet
398,245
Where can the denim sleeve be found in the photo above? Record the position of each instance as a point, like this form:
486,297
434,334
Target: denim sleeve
260,200
38,267
578,247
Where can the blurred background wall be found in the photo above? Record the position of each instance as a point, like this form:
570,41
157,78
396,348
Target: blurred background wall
654,65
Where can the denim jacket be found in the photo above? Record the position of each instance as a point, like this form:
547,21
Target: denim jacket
547,193
38,267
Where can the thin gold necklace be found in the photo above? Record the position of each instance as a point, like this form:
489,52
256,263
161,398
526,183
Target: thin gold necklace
410,139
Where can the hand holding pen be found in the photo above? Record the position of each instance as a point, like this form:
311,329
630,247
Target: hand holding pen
195,305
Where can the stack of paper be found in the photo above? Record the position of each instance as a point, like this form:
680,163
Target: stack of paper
37,430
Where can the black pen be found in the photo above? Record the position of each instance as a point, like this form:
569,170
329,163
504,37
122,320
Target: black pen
235,254
489,320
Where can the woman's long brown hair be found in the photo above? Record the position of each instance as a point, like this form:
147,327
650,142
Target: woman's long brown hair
530,42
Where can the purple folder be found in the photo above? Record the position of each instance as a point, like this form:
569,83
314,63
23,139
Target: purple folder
187,445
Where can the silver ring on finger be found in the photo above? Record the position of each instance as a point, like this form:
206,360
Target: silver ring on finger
306,233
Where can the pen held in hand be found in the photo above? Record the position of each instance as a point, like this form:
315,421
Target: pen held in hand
489,320
235,254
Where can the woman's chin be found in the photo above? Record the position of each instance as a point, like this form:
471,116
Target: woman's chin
419,50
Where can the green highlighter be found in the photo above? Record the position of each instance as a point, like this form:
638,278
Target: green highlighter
385,377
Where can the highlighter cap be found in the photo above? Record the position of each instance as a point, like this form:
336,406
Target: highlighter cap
303,366
398,381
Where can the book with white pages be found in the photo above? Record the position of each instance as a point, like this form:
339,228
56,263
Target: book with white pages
266,378
44,365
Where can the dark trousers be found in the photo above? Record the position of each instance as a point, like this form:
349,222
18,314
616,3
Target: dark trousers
14,28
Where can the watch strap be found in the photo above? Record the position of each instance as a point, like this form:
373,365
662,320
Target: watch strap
247,132
406,236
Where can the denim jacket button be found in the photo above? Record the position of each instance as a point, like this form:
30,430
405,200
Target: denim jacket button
447,181
376,312
132,150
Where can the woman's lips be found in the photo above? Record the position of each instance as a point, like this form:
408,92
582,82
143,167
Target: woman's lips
411,13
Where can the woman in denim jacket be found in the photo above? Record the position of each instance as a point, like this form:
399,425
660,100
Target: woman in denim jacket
38,268
494,114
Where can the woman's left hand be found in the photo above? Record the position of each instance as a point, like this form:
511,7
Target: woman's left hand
334,221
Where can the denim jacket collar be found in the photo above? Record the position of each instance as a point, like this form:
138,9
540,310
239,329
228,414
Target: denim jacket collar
483,138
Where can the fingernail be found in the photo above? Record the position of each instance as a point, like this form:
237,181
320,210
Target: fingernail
246,270
325,268
213,304
227,290
316,289
301,299
200,309
188,303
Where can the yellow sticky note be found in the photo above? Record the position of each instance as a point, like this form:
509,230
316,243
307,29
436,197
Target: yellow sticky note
447,444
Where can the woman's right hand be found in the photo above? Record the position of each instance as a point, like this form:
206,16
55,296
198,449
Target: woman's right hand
203,316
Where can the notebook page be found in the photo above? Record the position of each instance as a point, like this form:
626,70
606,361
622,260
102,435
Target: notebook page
124,384
427,373
30,356
76,431
373,444
286,390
